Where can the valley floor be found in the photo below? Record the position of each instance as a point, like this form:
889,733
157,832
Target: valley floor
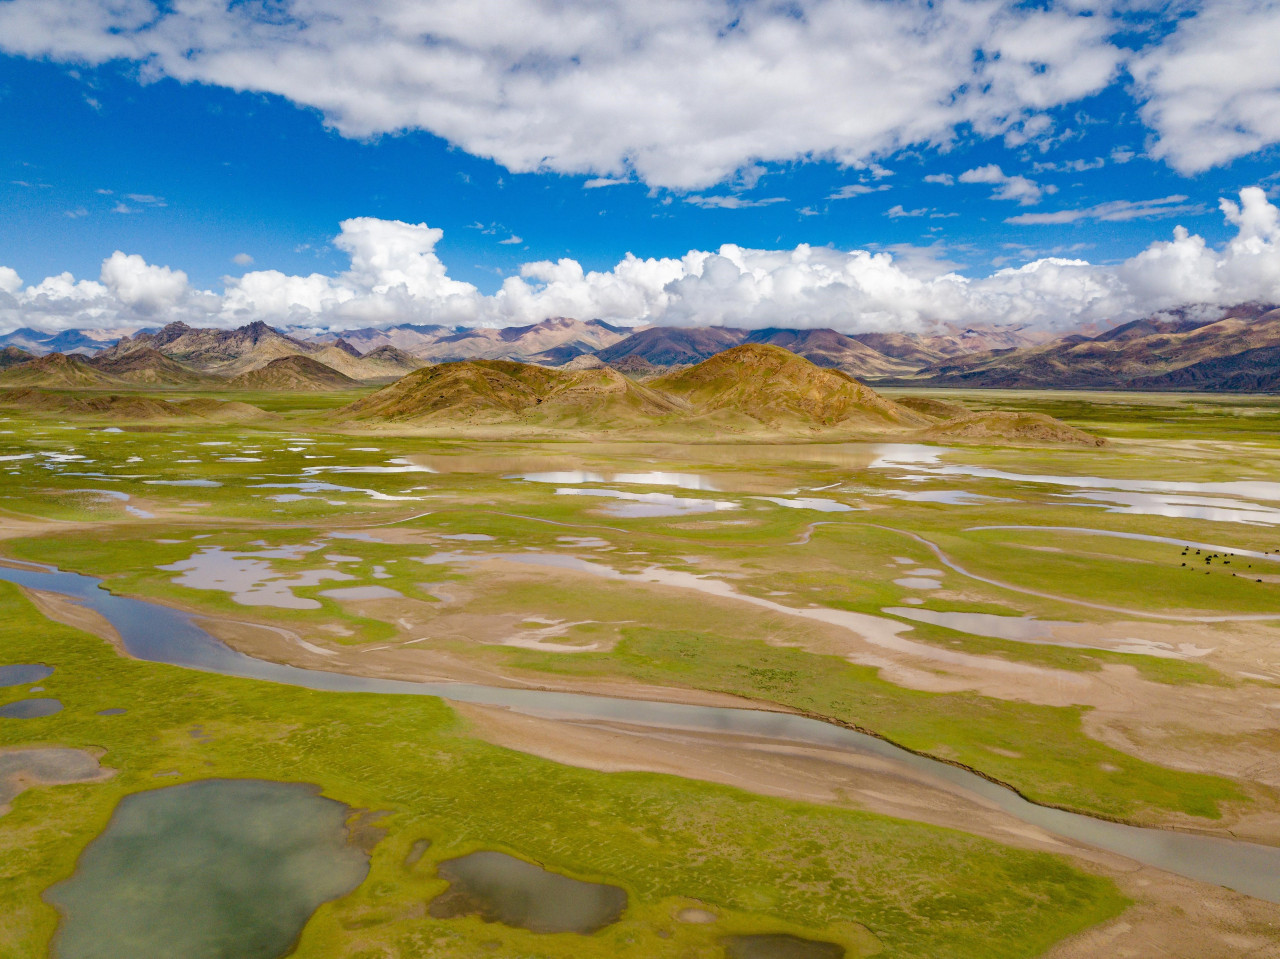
1096,628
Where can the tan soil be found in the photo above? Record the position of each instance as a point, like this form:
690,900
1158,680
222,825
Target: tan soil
1171,916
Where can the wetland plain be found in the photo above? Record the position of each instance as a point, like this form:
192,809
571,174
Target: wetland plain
769,697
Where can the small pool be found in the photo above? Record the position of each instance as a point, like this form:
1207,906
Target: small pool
20,674
212,869
30,708
501,888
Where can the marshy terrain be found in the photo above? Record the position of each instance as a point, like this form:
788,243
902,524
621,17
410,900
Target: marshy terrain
900,674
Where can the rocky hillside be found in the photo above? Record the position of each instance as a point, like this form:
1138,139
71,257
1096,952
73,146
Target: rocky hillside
998,426
229,353
113,406
749,387
775,388
301,373
12,356
59,371
391,361
148,367
496,391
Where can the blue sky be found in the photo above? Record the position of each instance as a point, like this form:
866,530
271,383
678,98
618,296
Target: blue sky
1083,138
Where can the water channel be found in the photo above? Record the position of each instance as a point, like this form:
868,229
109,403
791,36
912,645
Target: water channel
159,634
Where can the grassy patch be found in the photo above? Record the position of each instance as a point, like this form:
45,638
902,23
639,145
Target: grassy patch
767,864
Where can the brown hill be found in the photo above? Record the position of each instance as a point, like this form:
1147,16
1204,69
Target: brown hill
391,361
776,388
635,366
112,405
224,411
126,407
498,391
222,352
293,373
935,408
1000,427
58,371
152,368
12,356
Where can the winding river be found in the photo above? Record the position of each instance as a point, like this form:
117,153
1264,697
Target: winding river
159,634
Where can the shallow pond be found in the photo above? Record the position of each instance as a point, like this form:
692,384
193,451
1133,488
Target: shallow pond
202,483
639,505
30,708
1147,497
319,487
362,592
947,497
809,502
779,946
653,478
1025,629
397,465
159,634
20,674
1216,509
501,888
22,768
249,578
207,870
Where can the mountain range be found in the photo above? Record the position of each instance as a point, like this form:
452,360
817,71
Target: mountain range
747,389
549,343
1236,350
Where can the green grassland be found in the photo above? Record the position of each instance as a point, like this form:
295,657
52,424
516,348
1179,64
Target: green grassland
767,864
870,882
850,563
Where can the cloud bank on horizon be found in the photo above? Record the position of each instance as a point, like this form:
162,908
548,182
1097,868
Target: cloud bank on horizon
395,276
684,95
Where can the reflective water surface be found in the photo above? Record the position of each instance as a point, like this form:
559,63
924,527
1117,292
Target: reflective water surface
501,888
19,674
213,869
30,708
160,634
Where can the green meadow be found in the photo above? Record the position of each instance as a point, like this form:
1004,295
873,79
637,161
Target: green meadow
286,496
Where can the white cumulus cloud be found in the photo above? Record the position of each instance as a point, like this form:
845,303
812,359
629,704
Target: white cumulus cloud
141,286
395,276
1212,89
1026,192
677,94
